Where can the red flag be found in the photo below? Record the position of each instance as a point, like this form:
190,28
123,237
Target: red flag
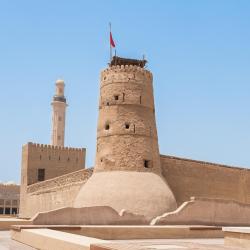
112,43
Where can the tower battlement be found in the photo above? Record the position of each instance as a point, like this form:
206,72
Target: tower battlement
132,72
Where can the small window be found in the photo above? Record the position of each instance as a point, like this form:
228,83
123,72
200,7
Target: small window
123,97
59,158
116,97
107,103
1,210
140,99
76,159
107,127
7,210
127,125
59,137
41,174
59,118
147,164
14,210
49,157
68,159
40,157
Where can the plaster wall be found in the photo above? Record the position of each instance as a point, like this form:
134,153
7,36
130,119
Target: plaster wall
54,193
188,178
55,160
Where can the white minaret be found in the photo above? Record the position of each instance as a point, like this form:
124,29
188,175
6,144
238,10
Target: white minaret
58,115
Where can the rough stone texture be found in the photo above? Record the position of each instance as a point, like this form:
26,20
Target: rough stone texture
126,98
204,211
54,193
99,215
127,173
188,178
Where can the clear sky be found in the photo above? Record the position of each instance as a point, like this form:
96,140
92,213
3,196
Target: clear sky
198,51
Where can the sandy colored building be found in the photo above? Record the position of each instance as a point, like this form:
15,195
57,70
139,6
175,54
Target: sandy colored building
129,171
9,198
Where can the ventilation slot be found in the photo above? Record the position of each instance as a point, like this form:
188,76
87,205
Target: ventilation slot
147,164
107,127
127,125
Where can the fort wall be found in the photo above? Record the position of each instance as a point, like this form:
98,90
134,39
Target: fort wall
188,178
55,160
43,162
54,193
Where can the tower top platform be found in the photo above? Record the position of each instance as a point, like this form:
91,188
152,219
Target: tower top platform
127,61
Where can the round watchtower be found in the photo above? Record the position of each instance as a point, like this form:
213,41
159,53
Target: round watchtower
127,173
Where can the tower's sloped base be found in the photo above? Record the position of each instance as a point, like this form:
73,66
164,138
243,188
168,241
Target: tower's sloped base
137,192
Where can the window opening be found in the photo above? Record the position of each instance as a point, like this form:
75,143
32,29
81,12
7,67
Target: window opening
107,127
147,164
41,174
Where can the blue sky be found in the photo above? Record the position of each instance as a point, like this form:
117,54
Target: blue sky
198,51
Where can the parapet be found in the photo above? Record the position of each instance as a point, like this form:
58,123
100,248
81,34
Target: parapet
53,147
116,74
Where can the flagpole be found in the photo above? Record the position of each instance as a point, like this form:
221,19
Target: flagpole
110,47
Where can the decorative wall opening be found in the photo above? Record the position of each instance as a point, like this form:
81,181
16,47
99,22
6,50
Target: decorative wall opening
107,126
147,164
41,174
116,97
127,125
